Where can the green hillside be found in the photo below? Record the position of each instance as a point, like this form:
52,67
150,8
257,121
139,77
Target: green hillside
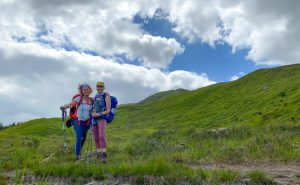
161,95
253,119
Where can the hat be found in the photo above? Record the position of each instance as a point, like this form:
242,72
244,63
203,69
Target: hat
100,84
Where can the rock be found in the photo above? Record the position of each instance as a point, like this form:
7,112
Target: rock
29,179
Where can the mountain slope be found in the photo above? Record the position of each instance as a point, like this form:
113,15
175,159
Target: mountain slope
265,96
161,95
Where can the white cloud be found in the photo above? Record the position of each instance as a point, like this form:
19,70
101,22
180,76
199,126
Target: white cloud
152,58
236,77
106,28
195,20
46,78
8,87
233,78
269,29
37,75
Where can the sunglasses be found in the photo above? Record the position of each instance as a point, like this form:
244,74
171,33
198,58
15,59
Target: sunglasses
100,86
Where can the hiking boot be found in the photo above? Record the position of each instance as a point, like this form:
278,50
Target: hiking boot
76,158
104,157
98,155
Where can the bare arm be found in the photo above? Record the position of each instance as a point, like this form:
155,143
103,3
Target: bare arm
69,105
108,105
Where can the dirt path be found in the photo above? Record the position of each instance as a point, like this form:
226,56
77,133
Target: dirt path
282,174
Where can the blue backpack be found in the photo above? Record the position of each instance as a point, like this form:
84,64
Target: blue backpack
114,102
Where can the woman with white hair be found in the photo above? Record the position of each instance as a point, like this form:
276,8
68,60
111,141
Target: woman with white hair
84,104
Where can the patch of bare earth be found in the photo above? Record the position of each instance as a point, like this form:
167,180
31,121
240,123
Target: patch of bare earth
283,174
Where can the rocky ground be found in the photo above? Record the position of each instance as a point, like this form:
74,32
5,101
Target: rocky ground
282,174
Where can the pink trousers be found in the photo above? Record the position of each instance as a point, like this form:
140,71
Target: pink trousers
99,133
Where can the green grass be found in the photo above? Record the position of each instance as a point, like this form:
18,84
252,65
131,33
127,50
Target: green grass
162,95
255,118
259,177
3,180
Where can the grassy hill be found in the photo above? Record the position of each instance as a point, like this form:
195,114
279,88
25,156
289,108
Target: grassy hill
253,119
161,95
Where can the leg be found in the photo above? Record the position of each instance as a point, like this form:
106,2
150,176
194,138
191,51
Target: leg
85,130
78,131
96,136
102,127
102,137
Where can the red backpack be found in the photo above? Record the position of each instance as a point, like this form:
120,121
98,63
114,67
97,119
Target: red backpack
73,110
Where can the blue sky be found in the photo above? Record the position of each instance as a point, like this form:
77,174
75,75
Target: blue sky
218,62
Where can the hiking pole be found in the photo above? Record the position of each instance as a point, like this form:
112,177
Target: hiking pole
64,113
90,145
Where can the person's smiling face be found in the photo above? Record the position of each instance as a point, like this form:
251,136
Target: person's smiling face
86,91
100,88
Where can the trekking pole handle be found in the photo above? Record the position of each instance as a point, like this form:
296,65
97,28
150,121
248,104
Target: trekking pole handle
64,113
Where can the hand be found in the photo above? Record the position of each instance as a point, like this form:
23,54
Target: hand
94,114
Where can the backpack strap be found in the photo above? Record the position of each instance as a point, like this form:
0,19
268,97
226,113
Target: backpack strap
73,109
80,101
92,104
91,101
78,104
104,95
75,96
